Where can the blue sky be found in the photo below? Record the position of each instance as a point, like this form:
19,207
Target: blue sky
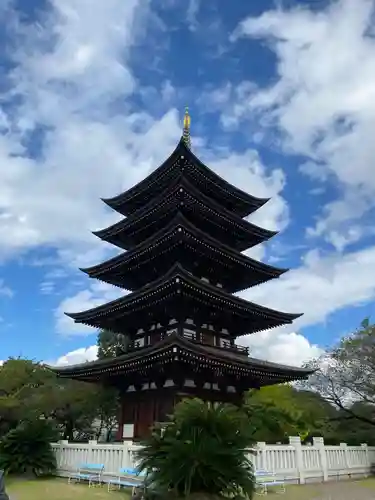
91,100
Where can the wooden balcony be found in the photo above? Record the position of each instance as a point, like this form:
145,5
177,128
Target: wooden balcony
193,337
225,345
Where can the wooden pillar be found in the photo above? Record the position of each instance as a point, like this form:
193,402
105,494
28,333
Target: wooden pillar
120,419
145,417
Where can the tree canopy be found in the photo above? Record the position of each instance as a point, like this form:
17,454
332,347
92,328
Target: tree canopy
345,376
30,390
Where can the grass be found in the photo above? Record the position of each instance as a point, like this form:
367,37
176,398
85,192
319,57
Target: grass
59,489
368,483
292,493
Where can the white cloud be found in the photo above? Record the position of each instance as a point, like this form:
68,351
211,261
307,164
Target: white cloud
81,355
98,293
278,346
5,291
191,14
321,286
247,172
323,101
68,71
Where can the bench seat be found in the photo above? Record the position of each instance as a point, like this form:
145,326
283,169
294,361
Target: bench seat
128,478
92,473
267,479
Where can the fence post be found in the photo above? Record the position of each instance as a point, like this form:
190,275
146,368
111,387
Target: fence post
92,443
347,460
125,458
367,458
318,442
295,441
261,457
60,454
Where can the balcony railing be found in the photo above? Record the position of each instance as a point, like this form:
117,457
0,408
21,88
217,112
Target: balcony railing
236,348
193,337
225,345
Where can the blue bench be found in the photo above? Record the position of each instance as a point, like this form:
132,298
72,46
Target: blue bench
128,478
267,479
92,473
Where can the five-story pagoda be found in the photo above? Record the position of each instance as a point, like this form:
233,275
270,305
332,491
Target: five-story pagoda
183,235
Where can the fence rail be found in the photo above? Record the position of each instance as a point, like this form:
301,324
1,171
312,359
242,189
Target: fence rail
293,462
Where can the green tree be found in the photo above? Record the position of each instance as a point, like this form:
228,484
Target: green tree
352,431
108,407
275,413
21,392
73,406
111,344
319,415
202,449
279,411
30,390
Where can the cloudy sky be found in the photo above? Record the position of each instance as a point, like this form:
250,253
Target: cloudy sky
282,99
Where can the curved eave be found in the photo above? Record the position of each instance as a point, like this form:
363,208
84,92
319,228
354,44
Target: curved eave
253,201
122,198
119,201
177,277
155,204
115,365
181,223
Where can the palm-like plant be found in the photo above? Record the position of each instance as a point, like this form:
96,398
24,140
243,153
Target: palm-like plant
202,449
27,448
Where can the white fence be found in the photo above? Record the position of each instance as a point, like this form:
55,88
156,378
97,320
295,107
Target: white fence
293,462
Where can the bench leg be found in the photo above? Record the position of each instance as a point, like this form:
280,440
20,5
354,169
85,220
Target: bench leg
282,489
261,490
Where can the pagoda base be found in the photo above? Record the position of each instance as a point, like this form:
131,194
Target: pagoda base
140,410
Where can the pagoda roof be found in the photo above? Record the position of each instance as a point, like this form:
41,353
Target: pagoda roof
177,348
144,222
172,294
125,270
182,157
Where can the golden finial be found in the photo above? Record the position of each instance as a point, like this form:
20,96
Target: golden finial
186,129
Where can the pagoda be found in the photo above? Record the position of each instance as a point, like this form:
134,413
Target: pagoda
183,234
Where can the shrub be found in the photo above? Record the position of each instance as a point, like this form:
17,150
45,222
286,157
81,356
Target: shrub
27,448
202,449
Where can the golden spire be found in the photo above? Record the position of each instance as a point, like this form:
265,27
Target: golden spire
186,129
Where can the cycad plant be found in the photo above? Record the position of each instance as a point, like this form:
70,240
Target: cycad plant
27,449
202,449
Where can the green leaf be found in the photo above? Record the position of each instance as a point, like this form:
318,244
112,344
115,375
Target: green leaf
202,449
